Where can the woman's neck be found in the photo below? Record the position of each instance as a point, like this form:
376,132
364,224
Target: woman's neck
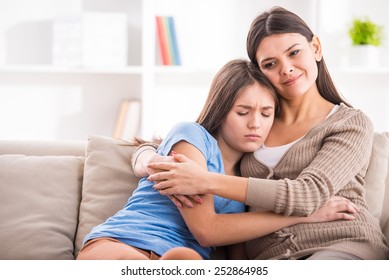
312,109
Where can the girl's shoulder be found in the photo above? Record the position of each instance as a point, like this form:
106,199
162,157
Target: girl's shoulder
191,132
189,129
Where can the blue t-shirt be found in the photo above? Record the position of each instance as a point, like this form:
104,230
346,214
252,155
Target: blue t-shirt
151,221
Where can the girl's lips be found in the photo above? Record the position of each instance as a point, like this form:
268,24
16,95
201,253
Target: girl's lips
253,136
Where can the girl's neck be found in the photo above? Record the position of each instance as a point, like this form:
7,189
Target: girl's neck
231,158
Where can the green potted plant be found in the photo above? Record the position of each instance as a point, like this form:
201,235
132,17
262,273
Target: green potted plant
366,36
365,32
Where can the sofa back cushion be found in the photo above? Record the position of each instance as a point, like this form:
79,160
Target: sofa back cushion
39,200
375,180
383,149
108,182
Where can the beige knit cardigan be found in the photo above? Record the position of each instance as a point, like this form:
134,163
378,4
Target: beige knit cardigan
331,159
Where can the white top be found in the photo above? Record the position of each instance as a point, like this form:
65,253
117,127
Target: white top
270,156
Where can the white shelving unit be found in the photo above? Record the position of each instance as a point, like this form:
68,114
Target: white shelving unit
42,101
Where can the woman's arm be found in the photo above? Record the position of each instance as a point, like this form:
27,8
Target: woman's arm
342,156
212,229
141,157
188,178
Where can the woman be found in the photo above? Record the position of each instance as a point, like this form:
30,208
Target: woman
236,119
318,147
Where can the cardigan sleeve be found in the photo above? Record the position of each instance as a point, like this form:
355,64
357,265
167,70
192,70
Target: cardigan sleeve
333,161
139,150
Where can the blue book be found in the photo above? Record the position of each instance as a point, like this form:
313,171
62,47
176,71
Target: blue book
174,43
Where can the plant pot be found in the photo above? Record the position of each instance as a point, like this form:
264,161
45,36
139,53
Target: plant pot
366,56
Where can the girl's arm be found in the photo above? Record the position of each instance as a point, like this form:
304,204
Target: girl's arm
212,229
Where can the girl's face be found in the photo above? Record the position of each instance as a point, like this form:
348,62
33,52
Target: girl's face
289,62
247,124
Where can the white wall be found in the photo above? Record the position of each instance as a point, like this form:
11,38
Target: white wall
60,106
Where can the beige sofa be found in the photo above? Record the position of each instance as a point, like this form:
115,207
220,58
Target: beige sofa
53,193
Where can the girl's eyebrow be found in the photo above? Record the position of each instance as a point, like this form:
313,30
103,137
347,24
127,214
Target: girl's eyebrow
249,107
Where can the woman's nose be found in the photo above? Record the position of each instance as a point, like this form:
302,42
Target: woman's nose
287,69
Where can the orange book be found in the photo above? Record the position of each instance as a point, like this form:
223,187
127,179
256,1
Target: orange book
163,41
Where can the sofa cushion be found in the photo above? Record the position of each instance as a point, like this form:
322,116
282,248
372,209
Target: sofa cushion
108,182
375,180
39,200
385,206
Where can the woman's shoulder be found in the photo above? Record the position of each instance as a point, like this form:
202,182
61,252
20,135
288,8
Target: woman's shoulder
348,115
346,121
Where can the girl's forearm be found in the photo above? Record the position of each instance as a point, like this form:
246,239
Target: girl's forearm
228,229
230,187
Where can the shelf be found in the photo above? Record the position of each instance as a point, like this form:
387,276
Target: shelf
47,69
360,70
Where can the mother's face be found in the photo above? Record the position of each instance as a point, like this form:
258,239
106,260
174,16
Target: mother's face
289,62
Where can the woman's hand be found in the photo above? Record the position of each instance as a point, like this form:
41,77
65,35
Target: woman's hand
157,158
336,208
183,176
177,199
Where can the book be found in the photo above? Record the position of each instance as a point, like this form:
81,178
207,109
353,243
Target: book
167,41
173,41
163,41
127,124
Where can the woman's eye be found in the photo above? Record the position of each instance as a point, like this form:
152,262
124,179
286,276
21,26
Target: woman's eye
242,113
269,65
294,52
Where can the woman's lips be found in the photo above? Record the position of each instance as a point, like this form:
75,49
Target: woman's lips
291,81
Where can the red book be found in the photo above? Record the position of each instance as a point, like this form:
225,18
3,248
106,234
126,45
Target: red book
163,41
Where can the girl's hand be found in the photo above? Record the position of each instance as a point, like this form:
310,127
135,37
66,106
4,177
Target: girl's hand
336,208
183,176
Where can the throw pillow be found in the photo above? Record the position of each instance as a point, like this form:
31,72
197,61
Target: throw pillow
108,182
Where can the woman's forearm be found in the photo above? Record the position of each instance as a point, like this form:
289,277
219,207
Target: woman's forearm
141,158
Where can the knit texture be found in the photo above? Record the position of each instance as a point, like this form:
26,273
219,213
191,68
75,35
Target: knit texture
331,159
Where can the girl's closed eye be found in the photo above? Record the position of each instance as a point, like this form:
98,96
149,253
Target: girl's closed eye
242,113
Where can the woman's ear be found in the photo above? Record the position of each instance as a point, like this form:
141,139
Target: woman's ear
316,46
